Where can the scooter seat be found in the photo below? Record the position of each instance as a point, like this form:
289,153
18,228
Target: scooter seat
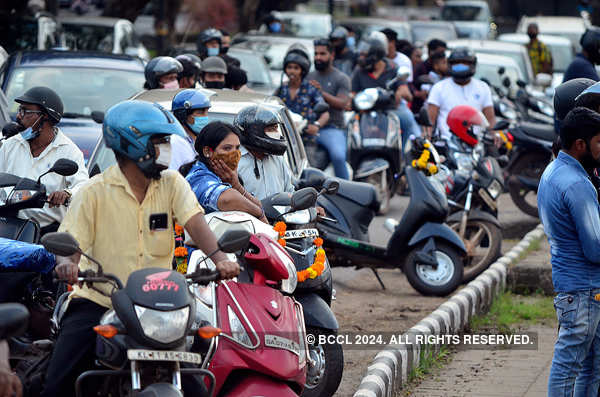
360,192
539,130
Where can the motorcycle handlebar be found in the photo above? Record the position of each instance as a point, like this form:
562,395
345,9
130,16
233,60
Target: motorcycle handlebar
204,276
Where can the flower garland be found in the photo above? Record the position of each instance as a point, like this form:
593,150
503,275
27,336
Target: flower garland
422,163
181,252
314,270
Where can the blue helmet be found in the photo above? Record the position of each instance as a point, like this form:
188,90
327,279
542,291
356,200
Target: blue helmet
129,125
186,101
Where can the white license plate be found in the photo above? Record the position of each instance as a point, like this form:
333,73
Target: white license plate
163,355
301,233
279,342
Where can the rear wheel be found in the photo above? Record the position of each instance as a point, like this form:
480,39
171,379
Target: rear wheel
324,377
531,165
440,280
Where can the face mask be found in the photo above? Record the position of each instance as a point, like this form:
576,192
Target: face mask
275,27
224,50
199,123
164,156
230,158
351,42
320,65
532,35
171,85
29,134
214,84
274,134
212,52
460,68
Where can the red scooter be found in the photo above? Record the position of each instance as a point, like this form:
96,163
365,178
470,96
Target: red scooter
261,349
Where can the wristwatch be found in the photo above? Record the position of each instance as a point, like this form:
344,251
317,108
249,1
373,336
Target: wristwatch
317,124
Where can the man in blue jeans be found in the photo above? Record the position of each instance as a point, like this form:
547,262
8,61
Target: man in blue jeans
569,209
335,89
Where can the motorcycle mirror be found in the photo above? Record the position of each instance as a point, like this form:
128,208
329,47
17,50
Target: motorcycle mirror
60,243
14,319
521,83
331,186
303,199
502,160
321,107
234,240
64,167
98,116
501,125
501,70
11,129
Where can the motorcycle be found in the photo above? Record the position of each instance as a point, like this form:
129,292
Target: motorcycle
429,252
261,349
148,328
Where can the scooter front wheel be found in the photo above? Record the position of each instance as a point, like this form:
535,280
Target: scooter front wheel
324,376
440,280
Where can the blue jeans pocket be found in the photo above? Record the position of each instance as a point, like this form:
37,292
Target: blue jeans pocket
566,306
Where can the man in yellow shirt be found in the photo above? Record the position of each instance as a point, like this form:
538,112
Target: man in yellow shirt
124,219
541,58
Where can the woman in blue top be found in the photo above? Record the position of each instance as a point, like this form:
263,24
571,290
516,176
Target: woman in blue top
298,94
213,177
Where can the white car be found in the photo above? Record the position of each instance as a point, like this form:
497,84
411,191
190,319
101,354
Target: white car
561,48
489,65
569,27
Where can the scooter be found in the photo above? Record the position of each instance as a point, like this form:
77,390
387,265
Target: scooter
148,327
429,252
261,349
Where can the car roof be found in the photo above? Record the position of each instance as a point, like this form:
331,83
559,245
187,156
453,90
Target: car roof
522,38
431,23
503,60
475,3
273,38
93,21
303,14
553,23
475,44
91,59
371,21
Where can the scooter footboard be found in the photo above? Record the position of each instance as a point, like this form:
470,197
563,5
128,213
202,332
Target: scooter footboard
260,385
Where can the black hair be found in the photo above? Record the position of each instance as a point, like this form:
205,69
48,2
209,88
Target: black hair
405,47
211,135
434,44
580,123
324,43
349,28
235,77
436,56
391,34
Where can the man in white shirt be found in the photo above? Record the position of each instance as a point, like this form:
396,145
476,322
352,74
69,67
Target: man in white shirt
460,89
399,58
36,149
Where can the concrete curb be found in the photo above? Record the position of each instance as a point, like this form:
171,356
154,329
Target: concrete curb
391,367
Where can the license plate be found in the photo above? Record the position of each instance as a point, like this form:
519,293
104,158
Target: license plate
301,233
163,355
279,342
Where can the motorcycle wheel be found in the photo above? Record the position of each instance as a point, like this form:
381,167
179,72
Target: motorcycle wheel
483,241
381,183
531,165
435,282
323,379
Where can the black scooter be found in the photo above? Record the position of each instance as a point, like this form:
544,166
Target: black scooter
429,252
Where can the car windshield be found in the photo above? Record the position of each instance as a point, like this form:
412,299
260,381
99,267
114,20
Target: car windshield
490,73
424,33
516,56
402,31
258,73
274,51
562,56
82,90
307,25
88,38
463,13
23,34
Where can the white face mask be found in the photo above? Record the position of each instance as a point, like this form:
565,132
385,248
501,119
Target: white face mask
274,134
164,156
171,85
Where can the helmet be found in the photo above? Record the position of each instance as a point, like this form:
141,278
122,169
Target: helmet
376,50
462,121
208,35
339,33
187,101
251,121
298,54
128,127
590,98
45,98
590,42
459,56
192,65
214,65
160,66
568,92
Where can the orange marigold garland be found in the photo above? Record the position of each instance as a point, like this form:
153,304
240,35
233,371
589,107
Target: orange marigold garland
314,270
181,252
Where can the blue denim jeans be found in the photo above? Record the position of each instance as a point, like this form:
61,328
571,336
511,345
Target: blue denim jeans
575,367
334,140
408,124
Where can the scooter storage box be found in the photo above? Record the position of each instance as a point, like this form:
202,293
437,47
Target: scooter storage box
24,257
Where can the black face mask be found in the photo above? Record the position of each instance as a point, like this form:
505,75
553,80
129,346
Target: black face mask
320,65
339,48
214,84
588,161
532,36
224,50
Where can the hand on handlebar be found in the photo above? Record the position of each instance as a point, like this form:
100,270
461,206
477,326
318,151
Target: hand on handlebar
67,271
228,269
58,198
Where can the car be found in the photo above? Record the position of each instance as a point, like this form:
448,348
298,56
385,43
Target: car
518,52
103,34
364,26
489,66
570,27
561,48
274,48
303,24
87,82
4,115
18,33
472,18
259,76
224,106
423,31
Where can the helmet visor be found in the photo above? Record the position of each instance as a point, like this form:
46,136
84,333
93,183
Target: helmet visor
479,124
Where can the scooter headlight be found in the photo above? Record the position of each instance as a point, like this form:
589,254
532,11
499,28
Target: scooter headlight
366,99
464,161
238,332
163,327
507,112
297,217
288,285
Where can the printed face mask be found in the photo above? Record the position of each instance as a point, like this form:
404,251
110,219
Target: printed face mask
230,158
199,123
212,51
171,85
164,156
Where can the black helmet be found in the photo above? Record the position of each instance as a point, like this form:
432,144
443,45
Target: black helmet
566,94
251,121
590,98
462,55
160,66
375,50
45,98
590,42
339,32
192,65
298,54
209,34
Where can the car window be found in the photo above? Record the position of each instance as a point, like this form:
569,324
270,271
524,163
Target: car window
518,57
424,33
256,69
18,34
402,31
88,37
464,13
490,72
102,158
275,51
562,56
307,25
102,89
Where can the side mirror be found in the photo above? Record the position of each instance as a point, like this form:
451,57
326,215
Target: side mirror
501,125
303,199
521,83
14,318
11,129
321,107
98,116
543,80
234,240
331,186
64,167
506,82
501,70
502,160
60,243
